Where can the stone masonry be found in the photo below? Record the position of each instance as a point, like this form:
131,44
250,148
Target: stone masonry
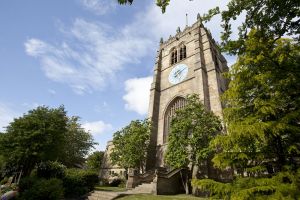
205,67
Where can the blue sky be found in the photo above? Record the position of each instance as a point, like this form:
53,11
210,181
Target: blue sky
92,56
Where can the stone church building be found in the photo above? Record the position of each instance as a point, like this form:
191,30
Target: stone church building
187,63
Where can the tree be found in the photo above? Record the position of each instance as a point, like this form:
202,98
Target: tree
35,137
263,108
270,18
43,134
192,129
79,143
94,160
131,144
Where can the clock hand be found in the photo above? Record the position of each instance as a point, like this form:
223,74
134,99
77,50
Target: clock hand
180,73
176,74
181,70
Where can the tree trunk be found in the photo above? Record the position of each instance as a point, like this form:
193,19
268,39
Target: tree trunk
187,187
185,182
195,170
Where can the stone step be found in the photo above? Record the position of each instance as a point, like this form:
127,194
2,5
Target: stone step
143,188
101,195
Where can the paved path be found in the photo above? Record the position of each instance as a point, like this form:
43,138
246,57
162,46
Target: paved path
107,195
145,188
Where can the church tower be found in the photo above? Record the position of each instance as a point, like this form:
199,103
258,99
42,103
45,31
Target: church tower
187,63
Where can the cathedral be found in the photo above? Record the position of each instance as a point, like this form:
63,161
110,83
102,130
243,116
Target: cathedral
187,63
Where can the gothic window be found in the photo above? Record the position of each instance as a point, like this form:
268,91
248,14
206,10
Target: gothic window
182,52
174,56
177,103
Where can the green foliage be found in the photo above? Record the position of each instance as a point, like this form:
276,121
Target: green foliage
161,3
4,180
131,144
263,107
271,18
34,137
43,134
285,185
78,182
35,189
192,129
50,169
117,182
216,189
211,13
94,160
78,143
125,1
2,162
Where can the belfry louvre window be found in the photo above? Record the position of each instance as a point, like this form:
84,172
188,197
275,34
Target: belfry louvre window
174,57
182,52
177,103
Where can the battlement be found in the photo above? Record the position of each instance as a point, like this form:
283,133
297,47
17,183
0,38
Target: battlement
189,30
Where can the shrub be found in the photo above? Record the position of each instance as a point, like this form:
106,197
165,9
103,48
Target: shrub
4,180
284,185
104,182
115,182
34,188
123,183
50,169
78,182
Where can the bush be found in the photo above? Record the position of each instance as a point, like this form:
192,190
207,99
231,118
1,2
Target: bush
284,185
78,182
50,169
114,182
34,188
4,180
123,183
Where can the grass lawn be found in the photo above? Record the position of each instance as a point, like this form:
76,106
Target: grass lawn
111,189
160,197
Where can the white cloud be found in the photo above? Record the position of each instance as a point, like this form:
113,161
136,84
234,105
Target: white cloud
7,114
99,7
137,94
90,53
97,127
89,56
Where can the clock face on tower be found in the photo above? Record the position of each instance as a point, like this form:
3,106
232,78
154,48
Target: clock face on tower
178,73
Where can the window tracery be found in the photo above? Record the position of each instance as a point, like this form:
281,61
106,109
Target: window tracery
182,52
177,103
174,56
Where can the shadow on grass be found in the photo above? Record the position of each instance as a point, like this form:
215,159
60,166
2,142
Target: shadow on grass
158,197
110,189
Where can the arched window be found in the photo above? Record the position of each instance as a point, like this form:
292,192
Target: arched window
174,56
177,103
182,52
